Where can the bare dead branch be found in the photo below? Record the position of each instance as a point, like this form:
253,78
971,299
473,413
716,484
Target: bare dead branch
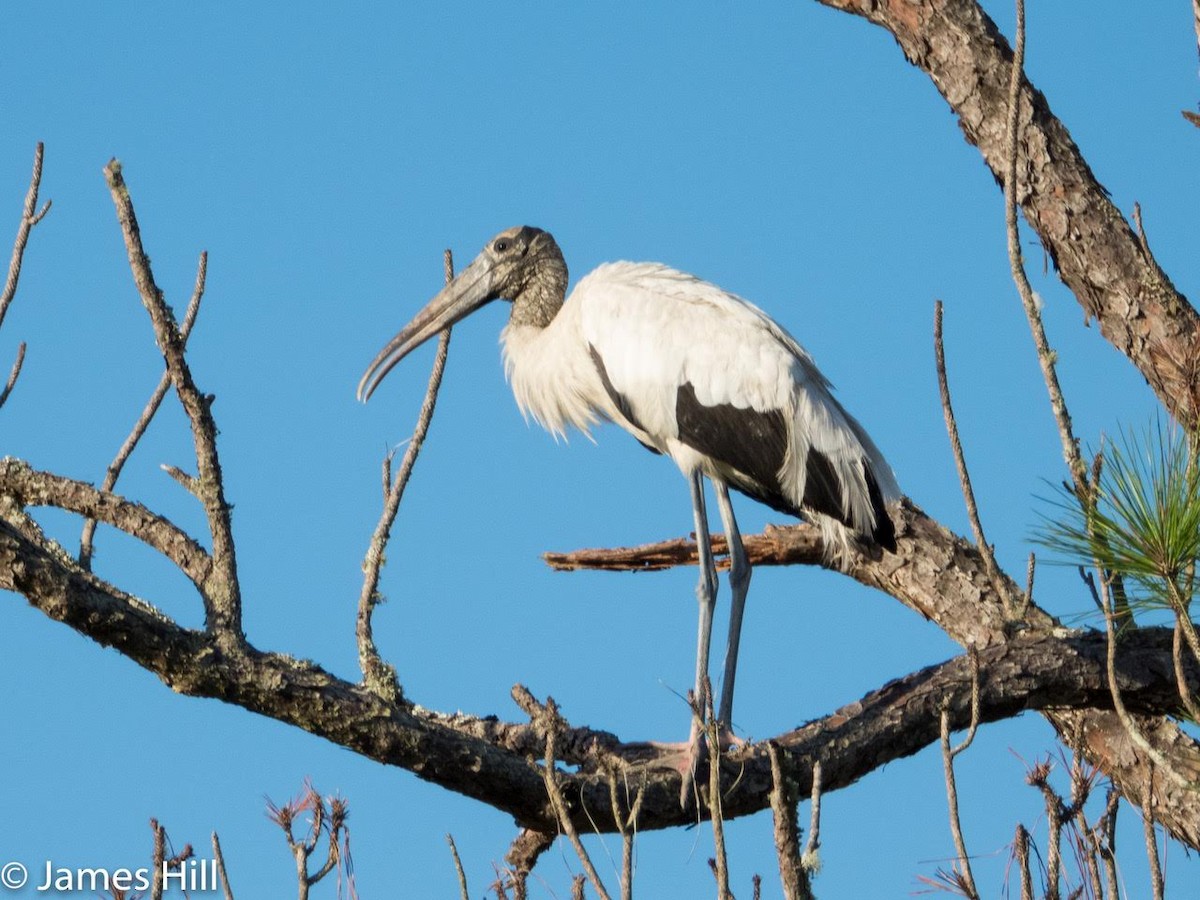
1141,230
1045,354
1156,874
784,799
29,487
143,422
960,461
158,857
29,218
1055,817
811,858
550,722
1021,851
962,865
522,856
378,674
458,869
219,857
626,822
1185,692
13,374
1108,828
712,735
221,590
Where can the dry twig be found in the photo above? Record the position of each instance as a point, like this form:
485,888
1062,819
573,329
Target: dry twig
143,422
962,867
784,799
960,461
1045,354
458,868
221,590
552,723
1156,873
219,857
30,216
712,732
379,675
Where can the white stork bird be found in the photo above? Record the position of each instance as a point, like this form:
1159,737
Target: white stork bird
692,372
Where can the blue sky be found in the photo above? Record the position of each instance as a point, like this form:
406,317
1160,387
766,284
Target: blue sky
324,158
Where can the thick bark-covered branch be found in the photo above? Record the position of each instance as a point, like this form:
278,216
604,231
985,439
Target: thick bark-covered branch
1097,254
488,759
943,577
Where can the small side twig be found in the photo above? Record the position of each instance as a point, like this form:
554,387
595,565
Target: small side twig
377,674
143,422
13,374
960,462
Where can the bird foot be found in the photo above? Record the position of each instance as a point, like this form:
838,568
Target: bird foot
686,757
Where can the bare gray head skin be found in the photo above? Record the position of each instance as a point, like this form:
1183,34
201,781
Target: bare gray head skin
522,264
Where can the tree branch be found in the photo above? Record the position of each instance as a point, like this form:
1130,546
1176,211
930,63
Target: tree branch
487,759
1097,254
221,589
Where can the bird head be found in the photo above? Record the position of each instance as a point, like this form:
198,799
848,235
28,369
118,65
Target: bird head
521,264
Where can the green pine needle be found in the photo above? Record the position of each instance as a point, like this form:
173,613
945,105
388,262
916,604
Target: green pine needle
1144,524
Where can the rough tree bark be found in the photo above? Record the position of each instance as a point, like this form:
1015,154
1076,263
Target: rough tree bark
1027,660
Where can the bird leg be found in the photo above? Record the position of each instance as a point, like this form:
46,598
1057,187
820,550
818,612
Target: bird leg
739,584
706,594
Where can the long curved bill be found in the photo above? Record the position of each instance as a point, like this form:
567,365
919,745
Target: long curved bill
470,289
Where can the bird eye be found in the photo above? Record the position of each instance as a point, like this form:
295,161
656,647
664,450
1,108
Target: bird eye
501,245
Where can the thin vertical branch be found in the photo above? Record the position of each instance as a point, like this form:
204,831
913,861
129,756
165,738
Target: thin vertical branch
1156,874
712,734
458,868
626,823
221,591
551,723
1046,356
30,216
157,859
13,374
811,858
787,833
1021,850
1108,828
143,422
1039,778
1177,645
220,860
960,462
962,867
379,675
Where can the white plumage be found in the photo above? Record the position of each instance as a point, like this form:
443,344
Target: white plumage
691,371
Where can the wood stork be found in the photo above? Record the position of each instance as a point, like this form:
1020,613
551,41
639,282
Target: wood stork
692,372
